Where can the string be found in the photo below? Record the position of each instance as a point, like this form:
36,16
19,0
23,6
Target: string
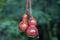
27,6
30,8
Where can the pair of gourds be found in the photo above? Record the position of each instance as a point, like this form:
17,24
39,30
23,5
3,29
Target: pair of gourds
29,26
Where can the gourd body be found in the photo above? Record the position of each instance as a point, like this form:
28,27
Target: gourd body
32,31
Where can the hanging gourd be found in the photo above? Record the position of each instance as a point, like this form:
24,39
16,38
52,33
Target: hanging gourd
29,27
23,25
32,31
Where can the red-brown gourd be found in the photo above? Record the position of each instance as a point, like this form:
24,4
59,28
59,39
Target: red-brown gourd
23,25
32,21
32,31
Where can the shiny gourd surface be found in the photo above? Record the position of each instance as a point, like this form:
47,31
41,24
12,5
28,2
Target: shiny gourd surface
32,21
23,24
32,31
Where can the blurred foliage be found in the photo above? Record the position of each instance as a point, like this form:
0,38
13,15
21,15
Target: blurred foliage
11,12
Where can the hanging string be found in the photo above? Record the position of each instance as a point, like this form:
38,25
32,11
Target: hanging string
27,6
30,8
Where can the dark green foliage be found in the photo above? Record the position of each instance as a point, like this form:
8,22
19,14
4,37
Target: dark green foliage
45,11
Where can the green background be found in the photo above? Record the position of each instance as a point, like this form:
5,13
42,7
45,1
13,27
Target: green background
47,12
